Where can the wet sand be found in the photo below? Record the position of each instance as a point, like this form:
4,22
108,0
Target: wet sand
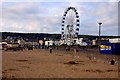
39,63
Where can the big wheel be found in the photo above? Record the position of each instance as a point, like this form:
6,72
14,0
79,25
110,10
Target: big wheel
70,26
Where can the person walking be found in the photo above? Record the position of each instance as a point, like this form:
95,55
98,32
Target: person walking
50,49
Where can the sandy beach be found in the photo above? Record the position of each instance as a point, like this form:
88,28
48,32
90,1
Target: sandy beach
39,63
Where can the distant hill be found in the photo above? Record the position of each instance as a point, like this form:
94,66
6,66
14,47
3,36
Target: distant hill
36,36
31,36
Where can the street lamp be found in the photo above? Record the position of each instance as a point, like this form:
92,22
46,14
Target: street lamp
99,32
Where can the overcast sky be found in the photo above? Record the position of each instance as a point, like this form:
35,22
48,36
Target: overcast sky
46,16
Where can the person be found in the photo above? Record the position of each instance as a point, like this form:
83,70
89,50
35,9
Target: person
112,62
50,49
66,48
75,50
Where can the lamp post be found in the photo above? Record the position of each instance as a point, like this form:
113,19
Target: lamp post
99,33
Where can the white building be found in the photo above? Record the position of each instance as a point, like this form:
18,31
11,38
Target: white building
49,43
81,42
57,43
114,40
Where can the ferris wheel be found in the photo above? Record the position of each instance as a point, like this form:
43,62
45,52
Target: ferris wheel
70,26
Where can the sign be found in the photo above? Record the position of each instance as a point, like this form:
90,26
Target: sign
105,47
